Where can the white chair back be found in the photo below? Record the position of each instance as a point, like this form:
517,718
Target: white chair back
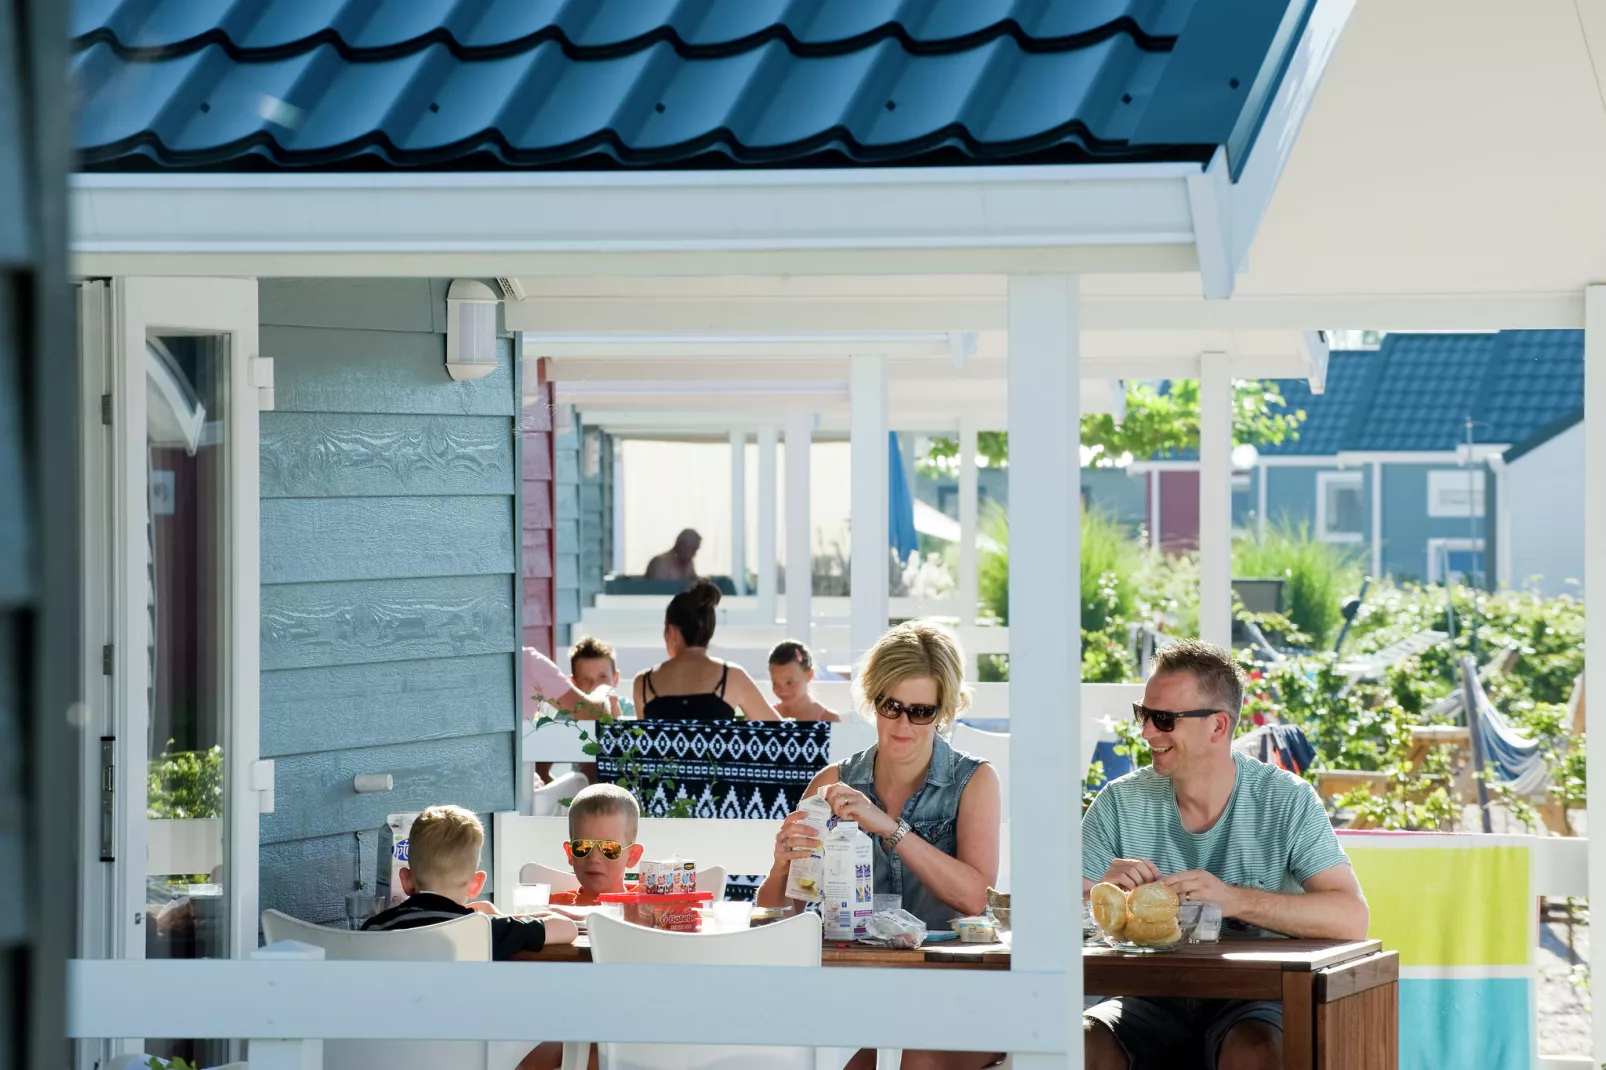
990,747
465,939
561,880
548,799
711,879
793,942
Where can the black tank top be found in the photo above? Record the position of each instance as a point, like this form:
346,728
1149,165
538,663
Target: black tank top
703,706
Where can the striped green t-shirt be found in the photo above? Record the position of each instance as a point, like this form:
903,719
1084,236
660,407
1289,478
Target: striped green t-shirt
1274,834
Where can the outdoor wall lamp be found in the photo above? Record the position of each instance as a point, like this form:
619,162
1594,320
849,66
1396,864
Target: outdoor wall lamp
369,783
470,330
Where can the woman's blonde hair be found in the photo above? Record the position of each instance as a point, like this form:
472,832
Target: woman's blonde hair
909,651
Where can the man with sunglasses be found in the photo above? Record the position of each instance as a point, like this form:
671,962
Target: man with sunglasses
1221,827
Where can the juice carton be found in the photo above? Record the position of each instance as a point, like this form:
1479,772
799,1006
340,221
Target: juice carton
848,889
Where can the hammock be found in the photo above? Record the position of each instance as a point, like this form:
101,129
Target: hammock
1510,757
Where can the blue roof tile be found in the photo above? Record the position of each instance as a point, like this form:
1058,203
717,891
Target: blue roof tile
1330,414
1427,387
597,84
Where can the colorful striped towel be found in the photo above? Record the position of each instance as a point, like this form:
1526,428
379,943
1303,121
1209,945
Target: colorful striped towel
1461,912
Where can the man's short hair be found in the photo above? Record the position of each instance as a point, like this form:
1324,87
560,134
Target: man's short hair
602,800
592,647
443,849
1221,681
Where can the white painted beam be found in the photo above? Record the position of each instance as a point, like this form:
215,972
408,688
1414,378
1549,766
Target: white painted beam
739,511
767,533
969,592
1215,500
1595,621
1045,639
984,310
870,497
799,528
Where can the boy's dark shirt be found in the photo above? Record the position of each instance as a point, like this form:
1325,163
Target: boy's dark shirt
509,936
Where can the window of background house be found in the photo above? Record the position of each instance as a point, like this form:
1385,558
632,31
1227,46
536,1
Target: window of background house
1340,506
1244,517
1455,492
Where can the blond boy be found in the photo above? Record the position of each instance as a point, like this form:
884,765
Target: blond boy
441,876
602,842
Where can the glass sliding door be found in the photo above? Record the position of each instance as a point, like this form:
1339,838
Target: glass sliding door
171,565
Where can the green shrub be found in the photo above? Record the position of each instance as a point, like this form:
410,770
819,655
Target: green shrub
1317,577
185,784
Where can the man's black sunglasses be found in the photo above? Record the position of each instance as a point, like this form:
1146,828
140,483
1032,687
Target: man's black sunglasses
1164,720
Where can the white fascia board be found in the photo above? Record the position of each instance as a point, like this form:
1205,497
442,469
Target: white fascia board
1245,201
853,221
1101,312
1316,354
1349,458
736,346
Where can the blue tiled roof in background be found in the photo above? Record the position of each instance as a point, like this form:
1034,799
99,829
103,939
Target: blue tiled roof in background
1416,392
604,84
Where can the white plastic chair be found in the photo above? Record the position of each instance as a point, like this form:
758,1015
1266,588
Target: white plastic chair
465,939
711,879
992,747
793,942
561,880
548,800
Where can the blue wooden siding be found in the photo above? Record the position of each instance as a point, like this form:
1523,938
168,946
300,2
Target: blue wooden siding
388,569
1407,527
566,534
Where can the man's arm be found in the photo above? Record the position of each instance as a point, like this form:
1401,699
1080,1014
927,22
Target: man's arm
1331,908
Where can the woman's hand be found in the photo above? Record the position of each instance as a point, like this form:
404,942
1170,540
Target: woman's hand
795,840
851,804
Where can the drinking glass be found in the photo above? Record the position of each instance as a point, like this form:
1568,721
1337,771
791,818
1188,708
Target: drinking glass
732,916
528,898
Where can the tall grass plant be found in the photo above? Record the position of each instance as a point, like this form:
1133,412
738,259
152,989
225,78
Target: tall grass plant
1317,576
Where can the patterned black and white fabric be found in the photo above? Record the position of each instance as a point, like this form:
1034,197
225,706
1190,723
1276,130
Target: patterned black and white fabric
728,769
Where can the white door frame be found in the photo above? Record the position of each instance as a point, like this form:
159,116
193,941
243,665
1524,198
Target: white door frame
115,319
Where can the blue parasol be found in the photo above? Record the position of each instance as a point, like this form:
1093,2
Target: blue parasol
901,534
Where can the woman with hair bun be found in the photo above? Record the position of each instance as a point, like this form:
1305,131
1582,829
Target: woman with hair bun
691,686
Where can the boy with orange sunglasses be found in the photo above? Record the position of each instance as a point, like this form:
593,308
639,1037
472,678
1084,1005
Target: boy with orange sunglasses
602,843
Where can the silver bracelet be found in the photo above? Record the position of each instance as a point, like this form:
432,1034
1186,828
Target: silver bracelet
897,836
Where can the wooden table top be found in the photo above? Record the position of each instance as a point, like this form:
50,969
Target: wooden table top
1227,962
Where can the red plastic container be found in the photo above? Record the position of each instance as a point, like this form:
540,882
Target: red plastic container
674,912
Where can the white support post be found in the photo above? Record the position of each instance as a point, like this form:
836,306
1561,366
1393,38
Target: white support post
619,511
799,528
969,521
1595,615
286,1054
739,511
1154,509
1215,499
766,524
1261,476
1045,638
871,463
1377,520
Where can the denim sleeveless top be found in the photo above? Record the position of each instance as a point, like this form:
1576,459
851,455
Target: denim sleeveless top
933,815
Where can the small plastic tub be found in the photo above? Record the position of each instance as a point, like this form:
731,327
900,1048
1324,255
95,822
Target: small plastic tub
976,930
676,912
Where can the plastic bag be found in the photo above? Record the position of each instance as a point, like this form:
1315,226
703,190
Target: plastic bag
895,928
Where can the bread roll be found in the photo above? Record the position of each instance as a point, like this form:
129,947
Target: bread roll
1153,903
1153,933
1109,907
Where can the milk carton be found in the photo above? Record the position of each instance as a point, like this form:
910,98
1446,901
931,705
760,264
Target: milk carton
848,891
804,875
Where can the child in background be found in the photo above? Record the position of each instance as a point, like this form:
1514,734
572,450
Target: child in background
602,843
791,672
442,874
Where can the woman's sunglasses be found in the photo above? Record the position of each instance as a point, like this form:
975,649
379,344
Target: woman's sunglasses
1164,720
892,709
611,849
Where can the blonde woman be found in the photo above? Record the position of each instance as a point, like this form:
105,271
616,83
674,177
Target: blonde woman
932,812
